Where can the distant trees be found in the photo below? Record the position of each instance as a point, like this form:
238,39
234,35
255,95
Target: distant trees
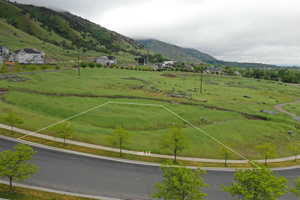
14,164
180,183
13,120
267,150
175,141
64,130
257,184
119,138
280,74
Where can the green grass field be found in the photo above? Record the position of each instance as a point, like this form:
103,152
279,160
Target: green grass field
229,109
293,108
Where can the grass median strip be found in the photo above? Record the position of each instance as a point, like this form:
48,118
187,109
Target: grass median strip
133,157
26,194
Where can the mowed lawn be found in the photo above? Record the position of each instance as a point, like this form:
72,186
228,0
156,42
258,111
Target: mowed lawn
228,110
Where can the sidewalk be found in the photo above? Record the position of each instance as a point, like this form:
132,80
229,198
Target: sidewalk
51,138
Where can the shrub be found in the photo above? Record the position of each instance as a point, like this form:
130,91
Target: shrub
99,65
91,65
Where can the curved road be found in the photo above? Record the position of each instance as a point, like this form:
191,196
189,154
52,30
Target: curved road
79,174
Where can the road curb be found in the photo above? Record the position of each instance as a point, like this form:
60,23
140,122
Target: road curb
129,161
43,189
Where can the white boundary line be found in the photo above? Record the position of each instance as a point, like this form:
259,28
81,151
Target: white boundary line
151,105
67,119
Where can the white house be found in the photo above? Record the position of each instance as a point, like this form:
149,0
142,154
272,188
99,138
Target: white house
28,56
106,60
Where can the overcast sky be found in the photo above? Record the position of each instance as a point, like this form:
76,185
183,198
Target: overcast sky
265,31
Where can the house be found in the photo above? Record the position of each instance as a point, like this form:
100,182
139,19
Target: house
28,56
214,70
4,51
167,65
106,60
142,60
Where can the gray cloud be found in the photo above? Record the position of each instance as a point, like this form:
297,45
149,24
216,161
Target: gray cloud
249,30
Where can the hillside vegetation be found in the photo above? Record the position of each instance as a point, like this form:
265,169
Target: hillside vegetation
60,34
192,55
177,53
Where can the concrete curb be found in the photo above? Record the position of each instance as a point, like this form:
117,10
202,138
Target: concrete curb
93,146
58,191
129,161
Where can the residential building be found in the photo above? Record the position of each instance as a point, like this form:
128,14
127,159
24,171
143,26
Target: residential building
28,56
106,60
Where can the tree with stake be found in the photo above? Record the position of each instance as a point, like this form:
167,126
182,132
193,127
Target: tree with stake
226,154
257,184
201,69
295,149
180,183
119,138
268,150
13,120
65,131
14,164
175,141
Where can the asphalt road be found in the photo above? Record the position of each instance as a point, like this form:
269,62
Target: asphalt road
91,176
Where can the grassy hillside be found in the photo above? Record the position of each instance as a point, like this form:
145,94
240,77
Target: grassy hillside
177,53
229,110
60,34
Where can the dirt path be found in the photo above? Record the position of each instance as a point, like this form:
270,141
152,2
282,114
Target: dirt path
280,108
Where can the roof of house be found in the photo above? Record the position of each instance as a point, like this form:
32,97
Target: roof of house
28,50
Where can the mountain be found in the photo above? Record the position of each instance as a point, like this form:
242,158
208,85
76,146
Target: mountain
59,30
177,53
191,55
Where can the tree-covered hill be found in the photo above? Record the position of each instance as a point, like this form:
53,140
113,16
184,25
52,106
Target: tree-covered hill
63,30
177,53
191,55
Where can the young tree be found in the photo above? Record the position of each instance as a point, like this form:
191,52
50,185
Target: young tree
119,137
64,130
201,69
13,120
14,164
296,189
180,183
268,150
257,184
226,154
295,148
175,141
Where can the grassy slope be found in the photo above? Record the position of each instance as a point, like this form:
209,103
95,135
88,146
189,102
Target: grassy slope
17,39
146,125
30,31
26,194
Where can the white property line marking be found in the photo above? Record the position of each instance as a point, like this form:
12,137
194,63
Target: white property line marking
67,119
193,126
152,105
